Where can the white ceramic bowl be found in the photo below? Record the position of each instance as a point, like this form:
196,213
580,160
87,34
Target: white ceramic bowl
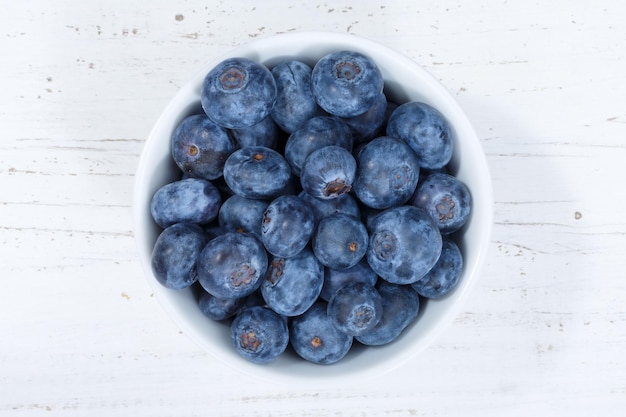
404,81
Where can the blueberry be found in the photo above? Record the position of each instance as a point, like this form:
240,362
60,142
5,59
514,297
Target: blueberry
315,134
387,173
340,241
175,254
259,334
219,308
287,226
191,200
404,244
293,284
232,265
200,147
400,308
265,133
345,203
368,125
328,172
294,103
316,339
447,199
240,214
355,308
346,83
445,275
256,172
238,92
425,130
337,278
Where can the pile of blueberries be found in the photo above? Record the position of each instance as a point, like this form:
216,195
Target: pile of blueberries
311,211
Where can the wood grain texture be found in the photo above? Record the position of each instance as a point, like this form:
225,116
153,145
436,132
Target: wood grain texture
544,84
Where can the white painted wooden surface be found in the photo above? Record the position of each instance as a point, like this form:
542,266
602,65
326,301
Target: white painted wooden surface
544,83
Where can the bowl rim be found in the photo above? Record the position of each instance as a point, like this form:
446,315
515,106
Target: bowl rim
335,374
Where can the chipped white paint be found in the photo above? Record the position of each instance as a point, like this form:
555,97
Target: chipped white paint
543,82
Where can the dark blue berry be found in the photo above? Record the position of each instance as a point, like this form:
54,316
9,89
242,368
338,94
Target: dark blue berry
447,199
355,308
404,244
321,208
200,147
400,308
219,308
337,278
314,134
368,125
232,265
175,254
316,339
294,103
328,172
445,275
340,241
287,226
387,173
293,284
265,133
425,130
259,334
191,200
346,83
257,172
240,214
238,92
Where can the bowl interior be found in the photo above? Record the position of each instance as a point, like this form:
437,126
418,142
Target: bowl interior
404,81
